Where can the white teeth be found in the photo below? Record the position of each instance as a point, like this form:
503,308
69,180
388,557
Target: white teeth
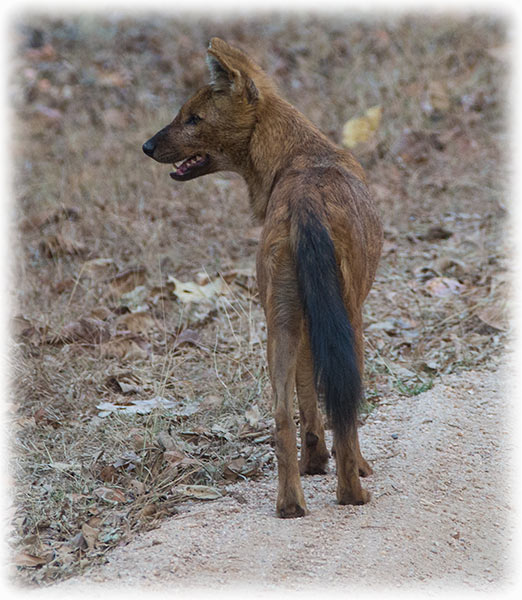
188,162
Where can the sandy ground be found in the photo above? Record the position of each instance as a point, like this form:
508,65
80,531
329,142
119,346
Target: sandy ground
440,517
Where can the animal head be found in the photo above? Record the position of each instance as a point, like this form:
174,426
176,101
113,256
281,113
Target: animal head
212,129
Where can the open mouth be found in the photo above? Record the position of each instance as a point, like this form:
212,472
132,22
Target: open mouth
191,167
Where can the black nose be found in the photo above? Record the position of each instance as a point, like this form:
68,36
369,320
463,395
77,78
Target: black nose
149,146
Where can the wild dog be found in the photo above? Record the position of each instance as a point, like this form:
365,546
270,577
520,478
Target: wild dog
316,261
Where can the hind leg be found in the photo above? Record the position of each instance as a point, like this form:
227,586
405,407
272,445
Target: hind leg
364,468
347,457
284,324
314,454
357,325
282,358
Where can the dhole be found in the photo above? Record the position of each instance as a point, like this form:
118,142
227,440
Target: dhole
316,260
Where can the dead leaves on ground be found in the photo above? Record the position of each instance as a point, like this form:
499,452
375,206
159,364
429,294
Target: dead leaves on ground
130,322
460,300
149,479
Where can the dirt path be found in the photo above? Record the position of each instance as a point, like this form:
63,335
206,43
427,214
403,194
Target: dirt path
439,517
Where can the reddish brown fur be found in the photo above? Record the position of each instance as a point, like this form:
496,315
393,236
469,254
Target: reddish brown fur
246,127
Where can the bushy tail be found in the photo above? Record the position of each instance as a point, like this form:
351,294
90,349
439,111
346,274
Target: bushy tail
331,336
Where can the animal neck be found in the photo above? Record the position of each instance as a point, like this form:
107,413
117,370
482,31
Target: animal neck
281,134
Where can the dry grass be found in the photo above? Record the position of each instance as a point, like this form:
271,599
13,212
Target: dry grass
99,229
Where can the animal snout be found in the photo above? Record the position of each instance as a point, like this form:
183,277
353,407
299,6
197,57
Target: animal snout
149,146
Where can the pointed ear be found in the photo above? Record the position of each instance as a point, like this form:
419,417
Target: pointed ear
222,77
226,74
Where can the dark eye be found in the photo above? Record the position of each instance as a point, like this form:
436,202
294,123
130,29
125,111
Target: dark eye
193,120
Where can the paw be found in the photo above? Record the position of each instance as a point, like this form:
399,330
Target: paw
356,499
314,456
314,465
291,511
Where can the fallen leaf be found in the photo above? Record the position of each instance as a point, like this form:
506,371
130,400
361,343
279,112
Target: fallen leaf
24,559
108,474
244,278
190,292
158,293
253,415
233,469
137,439
90,534
139,407
149,510
200,492
137,322
124,347
361,129
240,468
97,268
200,302
102,313
120,386
166,441
189,336
136,299
78,542
450,266
174,457
127,461
443,287
202,278
110,495
429,365
128,280
137,487
86,330
495,315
